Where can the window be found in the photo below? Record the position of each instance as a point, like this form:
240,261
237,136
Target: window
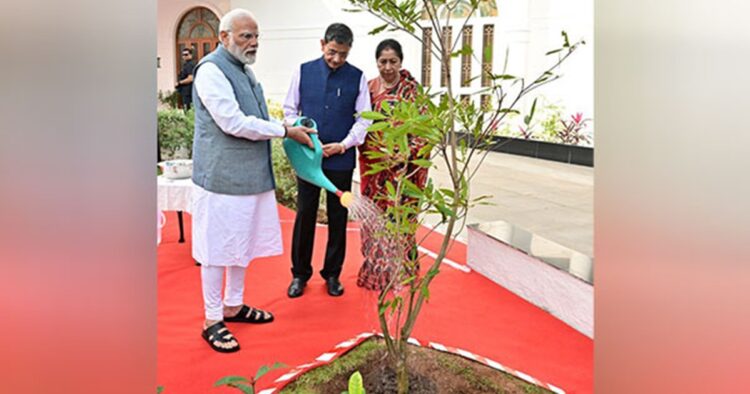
466,57
485,102
447,42
487,38
426,56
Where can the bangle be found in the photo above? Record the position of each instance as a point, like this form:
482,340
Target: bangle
342,147
286,131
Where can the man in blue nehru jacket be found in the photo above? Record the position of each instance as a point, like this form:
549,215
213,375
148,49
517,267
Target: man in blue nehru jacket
333,93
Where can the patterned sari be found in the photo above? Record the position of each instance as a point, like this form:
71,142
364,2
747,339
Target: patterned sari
376,270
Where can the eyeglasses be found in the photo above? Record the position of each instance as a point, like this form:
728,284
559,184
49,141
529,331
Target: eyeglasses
250,36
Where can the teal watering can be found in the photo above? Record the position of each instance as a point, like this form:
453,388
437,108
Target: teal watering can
308,162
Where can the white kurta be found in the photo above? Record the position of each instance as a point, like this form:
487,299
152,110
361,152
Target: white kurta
233,230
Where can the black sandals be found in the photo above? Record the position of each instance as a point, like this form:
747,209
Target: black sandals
218,332
250,315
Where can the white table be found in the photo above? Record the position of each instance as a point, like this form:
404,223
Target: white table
174,195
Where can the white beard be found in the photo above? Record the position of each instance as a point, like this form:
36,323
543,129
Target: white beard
236,52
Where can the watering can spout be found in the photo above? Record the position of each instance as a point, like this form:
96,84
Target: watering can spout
308,162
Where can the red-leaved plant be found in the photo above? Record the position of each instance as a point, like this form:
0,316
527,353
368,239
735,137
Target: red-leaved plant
572,130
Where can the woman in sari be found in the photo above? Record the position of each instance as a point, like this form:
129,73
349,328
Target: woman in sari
393,84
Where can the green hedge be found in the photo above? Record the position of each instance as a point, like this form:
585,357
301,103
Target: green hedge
175,128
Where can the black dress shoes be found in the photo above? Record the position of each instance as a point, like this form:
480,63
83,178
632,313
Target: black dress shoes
296,288
335,288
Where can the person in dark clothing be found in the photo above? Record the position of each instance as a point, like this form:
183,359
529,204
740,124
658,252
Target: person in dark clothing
184,83
333,93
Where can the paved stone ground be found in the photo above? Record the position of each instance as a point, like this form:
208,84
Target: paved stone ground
551,199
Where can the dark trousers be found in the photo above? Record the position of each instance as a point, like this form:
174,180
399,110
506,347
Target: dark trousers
187,101
308,198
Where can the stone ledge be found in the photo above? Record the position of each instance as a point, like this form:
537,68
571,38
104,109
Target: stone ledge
512,261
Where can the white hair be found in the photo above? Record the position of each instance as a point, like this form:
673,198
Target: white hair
225,24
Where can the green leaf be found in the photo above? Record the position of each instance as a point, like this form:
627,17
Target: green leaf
504,76
228,380
425,292
386,106
507,57
553,51
482,197
397,302
375,154
356,385
422,163
159,389
265,369
424,151
488,54
566,43
472,79
372,171
372,115
242,387
444,210
410,189
378,126
527,119
509,111
378,29
261,371
447,192
389,187
383,308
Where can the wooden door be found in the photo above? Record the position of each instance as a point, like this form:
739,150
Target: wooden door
198,29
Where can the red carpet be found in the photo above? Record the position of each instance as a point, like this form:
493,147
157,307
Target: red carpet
465,311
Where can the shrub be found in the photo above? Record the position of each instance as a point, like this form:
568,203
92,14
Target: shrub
175,129
169,99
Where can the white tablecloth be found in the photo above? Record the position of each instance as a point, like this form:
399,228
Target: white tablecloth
174,194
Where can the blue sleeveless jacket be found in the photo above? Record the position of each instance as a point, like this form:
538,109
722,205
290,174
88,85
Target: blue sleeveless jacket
329,98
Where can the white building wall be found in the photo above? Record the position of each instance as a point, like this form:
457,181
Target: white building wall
546,19
291,31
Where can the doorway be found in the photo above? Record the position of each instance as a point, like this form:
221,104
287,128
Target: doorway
198,29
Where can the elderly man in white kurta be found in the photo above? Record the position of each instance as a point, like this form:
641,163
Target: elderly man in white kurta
235,218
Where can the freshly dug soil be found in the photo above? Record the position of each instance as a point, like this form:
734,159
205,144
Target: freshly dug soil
431,372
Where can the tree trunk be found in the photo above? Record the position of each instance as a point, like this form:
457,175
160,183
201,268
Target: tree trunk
402,375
